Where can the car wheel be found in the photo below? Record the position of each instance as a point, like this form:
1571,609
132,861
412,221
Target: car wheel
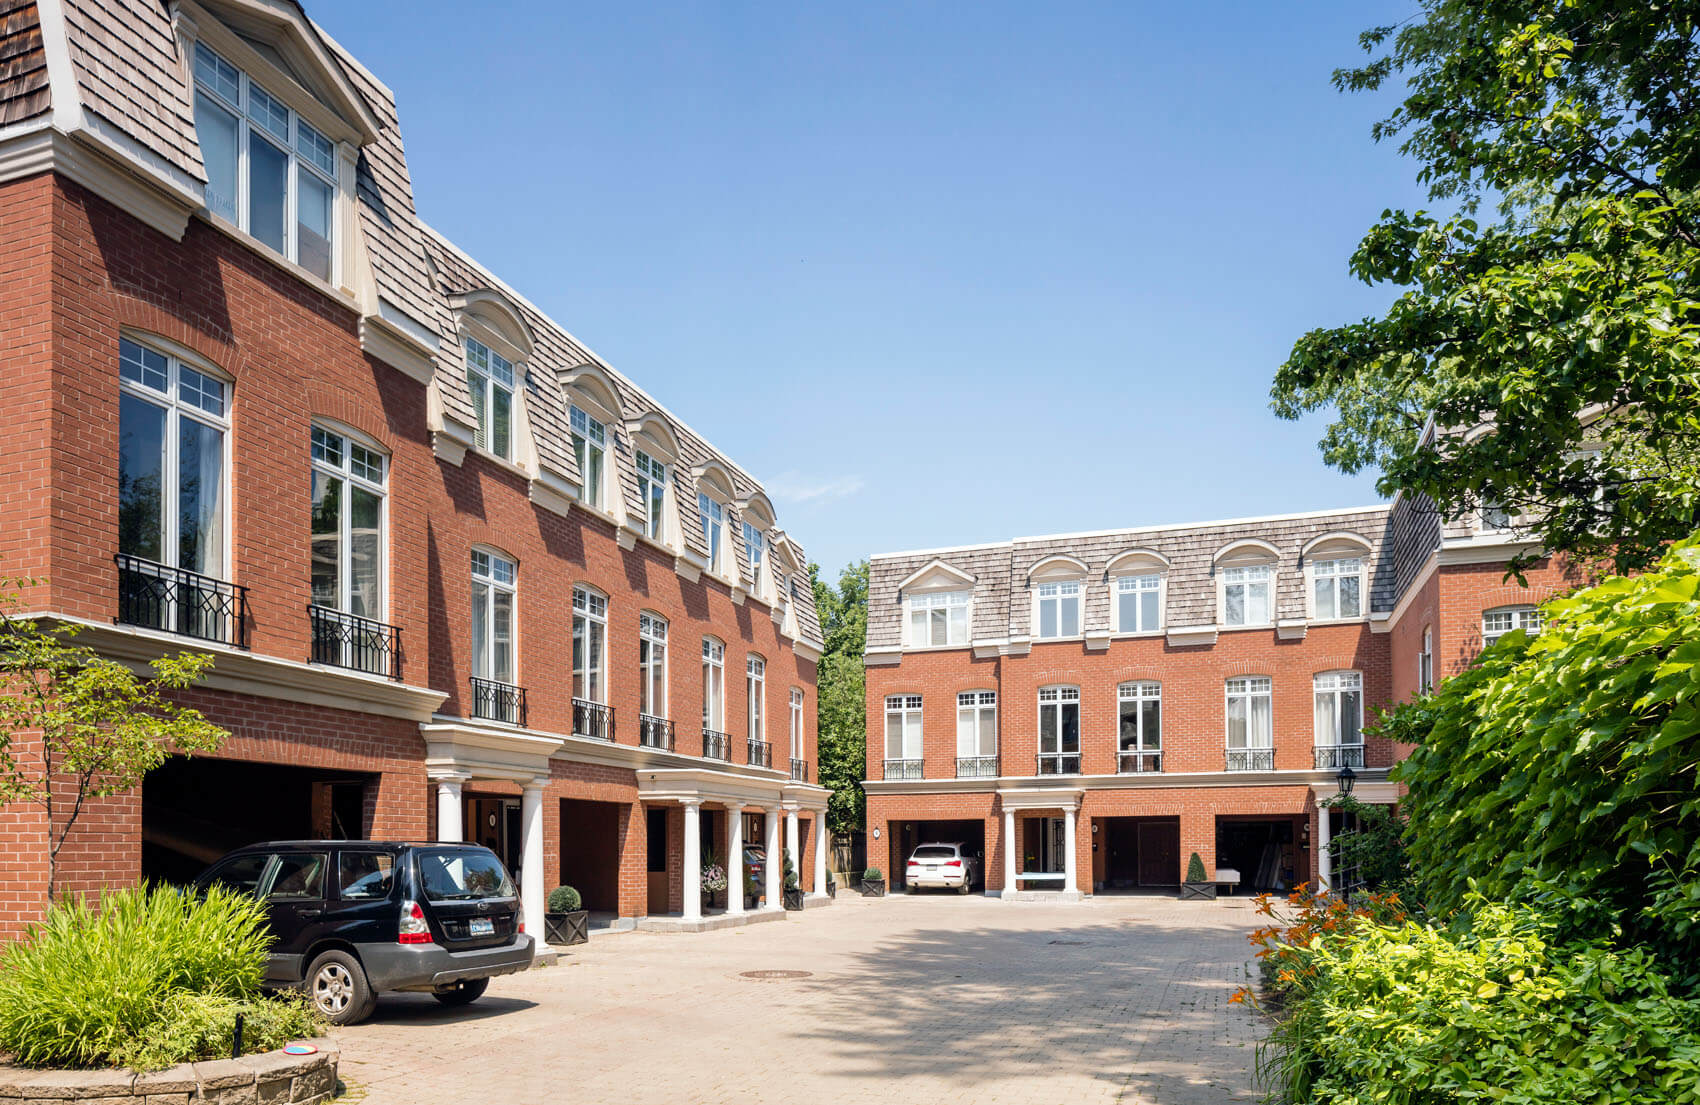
337,987
964,888
464,994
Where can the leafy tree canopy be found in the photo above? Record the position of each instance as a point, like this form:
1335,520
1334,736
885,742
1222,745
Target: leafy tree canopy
1567,320
842,713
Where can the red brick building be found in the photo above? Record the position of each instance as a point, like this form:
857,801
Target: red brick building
1089,710
460,577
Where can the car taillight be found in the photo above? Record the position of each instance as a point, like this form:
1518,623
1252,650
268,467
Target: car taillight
953,863
522,926
414,930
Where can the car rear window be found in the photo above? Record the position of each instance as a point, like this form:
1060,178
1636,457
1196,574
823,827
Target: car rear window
935,851
459,874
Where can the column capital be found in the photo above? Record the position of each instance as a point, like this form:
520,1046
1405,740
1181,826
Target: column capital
448,776
690,803
537,783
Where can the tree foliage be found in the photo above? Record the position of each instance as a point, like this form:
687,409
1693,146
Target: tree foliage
842,713
1568,321
1561,769
100,727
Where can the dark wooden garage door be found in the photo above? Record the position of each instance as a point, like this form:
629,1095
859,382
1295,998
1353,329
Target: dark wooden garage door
1159,853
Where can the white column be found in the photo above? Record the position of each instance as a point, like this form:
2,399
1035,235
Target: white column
1324,861
1068,849
1008,852
531,856
793,845
820,853
734,859
448,809
775,862
693,860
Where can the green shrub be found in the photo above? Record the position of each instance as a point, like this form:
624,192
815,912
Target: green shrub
791,882
564,899
198,1026
872,874
85,987
1195,869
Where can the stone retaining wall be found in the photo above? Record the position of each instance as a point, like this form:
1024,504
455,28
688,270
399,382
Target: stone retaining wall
268,1078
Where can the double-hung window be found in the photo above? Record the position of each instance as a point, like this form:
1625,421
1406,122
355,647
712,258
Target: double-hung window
977,734
713,685
753,545
590,449
755,688
1246,594
1140,739
652,665
903,736
1497,623
494,695
652,492
1425,662
590,643
713,517
172,428
347,570
796,726
939,618
1251,724
268,171
490,380
1338,588
1339,719
1059,609
1139,603
1059,730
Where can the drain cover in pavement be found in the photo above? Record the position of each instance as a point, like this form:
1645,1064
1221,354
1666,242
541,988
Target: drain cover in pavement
1082,943
774,975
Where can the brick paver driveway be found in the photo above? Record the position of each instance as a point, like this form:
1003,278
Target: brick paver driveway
934,999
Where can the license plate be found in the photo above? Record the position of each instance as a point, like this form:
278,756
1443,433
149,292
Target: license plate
481,926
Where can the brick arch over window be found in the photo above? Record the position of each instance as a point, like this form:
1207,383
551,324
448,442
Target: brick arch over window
326,402
148,318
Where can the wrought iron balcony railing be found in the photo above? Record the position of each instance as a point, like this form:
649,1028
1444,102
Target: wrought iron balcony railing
178,601
903,769
1059,763
976,767
1251,759
800,770
494,700
593,720
655,732
1333,757
716,745
757,753
1139,763
350,641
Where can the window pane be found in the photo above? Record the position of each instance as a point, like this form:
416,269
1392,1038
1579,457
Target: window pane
481,630
364,875
1070,727
200,497
1236,722
216,129
268,180
1325,598
1152,737
1070,616
1128,731
1048,617
1236,605
327,540
958,625
1350,600
1351,710
365,569
1047,727
501,424
1261,732
313,224
988,732
141,469
1257,604
1325,733
480,389
1148,610
1127,612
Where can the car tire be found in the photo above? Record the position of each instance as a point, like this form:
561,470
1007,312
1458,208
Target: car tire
964,888
464,994
337,988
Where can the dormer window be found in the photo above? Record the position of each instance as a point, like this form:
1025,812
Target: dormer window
713,517
754,542
1059,609
1247,594
490,380
269,172
590,449
652,493
938,619
1337,588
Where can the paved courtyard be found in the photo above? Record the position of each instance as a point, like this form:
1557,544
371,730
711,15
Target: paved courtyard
935,999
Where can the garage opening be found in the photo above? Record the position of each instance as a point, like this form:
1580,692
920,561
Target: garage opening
195,809
1262,851
1136,853
590,851
906,836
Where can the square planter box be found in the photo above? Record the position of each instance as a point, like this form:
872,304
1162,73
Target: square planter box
794,899
1198,891
562,929
873,888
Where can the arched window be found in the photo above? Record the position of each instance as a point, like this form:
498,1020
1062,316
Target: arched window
1245,574
1140,732
1337,566
490,380
1138,581
593,412
1058,586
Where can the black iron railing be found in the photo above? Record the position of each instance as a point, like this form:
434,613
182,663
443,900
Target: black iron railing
1251,759
717,745
757,753
494,700
1059,763
1333,757
180,601
976,767
350,641
1139,763
593,720
903,769
655,732
800,770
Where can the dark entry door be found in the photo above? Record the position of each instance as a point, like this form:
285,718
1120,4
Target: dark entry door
1121,858
656,824
1159,853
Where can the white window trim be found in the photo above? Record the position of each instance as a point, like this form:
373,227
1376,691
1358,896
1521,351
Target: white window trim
931,599
345,535
714,659
1135,690
1425,662
652,631
905,705
1311,577
1521,614
755,697
653,519
1065,694
722,561
1343,680
797,723
601,671
978,707
481,665
602,504
1162,578
1222,571
1249,692
491,385
1080,615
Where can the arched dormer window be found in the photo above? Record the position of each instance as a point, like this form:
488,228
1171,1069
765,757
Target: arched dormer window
593,412
1245,583
1138,586
714,495
655,454
755,516
1336,577
1058,585
495,342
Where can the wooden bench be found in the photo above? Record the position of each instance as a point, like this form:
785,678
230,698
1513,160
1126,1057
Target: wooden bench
1227,876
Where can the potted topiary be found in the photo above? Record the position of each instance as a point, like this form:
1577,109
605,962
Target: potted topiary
1196,887
873,883
793,889
563,921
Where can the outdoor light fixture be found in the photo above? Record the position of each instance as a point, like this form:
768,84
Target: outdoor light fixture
1347,779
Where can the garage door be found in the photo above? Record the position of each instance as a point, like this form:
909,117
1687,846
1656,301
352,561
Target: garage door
906,836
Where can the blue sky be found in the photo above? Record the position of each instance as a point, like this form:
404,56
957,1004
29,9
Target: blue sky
934,273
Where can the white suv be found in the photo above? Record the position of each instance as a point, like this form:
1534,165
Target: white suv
948,865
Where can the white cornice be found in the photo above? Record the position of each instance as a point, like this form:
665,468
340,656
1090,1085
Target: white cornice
1189,636
398,348
94,163
1491,549
1154,780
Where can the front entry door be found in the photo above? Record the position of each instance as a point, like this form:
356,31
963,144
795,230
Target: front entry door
1121,863
656,824
1159,854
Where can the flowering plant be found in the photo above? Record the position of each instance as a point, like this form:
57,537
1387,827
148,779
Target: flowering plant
713,877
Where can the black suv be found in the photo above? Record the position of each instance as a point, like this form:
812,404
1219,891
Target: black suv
353,917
